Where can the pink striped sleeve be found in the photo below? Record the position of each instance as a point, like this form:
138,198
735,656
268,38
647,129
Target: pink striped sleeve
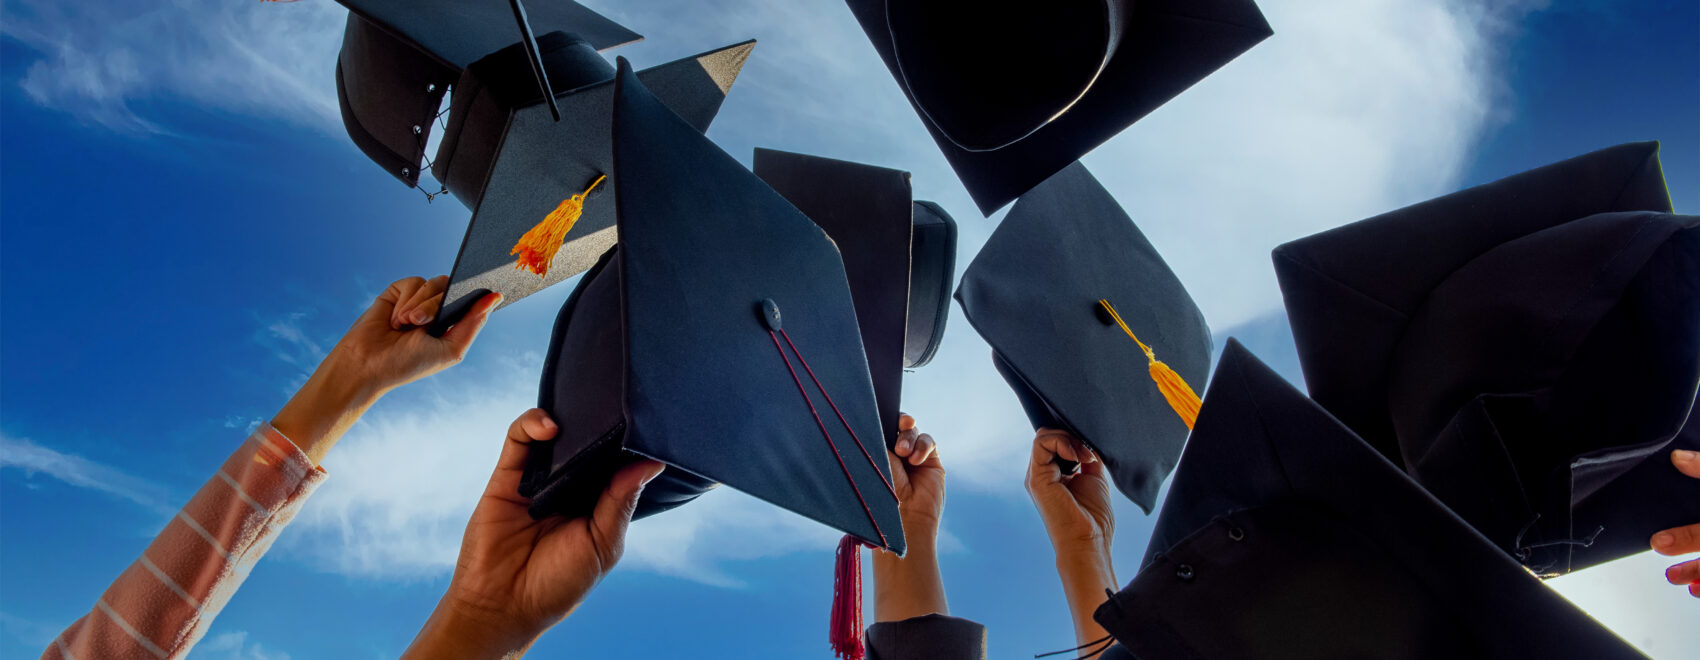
163,603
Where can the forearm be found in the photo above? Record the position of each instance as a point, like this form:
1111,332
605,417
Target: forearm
165,601
1086,574
326,406
909,586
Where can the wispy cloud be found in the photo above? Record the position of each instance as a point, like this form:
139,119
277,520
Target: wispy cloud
33,460
102,61
234,645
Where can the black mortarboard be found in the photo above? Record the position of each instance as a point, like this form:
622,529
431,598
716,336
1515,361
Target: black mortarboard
399,57
1527,350
698,341
546,217
1284,535
1013,92
868,213
1033,293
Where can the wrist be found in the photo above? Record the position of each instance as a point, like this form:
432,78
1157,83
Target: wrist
458,631
909,586
325,407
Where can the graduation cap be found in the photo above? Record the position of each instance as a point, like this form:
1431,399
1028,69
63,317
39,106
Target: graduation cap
1284,535
898,254
526,140
718,336
1014,92
1528,350
1090,328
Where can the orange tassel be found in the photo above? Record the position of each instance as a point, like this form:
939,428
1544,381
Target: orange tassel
537,248
1174,388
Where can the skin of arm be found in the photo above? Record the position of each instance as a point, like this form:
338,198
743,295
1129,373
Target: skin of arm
1682,540
387,347
911,586
1079,521
517,577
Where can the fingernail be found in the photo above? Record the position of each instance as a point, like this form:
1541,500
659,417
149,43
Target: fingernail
653,475
1663,539
550,424
1687,456
419,318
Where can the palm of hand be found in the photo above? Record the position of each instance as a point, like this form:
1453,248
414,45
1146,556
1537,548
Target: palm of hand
920,488
531,570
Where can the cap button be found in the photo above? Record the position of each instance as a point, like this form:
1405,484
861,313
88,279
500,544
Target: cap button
1184,572
1236,534
770,314
1102,314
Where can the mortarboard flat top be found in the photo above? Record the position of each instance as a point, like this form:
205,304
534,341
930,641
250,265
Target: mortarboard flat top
1133,57
705,251
1284,535
1526,349
1032,292
868,213
515,166
398,58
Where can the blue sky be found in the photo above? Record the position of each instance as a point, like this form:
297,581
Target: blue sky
184,229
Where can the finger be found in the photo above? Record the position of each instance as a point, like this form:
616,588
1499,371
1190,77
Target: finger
905,441
924,446
420,305
460,337
613,512
1084,452
905,421
1677,540
398,291
1687,572
1694,589
531,426
1686,462
1061,444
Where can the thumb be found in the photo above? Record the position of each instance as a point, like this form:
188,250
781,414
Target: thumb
460,336
613,512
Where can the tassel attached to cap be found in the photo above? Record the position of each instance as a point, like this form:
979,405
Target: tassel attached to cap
846,634
1180,396
537,248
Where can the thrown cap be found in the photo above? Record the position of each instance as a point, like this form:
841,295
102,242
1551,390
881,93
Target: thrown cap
896,253
1528,350
1013,92
720,337
1284,535
1041,292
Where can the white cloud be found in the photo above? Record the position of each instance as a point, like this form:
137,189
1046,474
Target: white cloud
234,646
1631,597
34,459
101,61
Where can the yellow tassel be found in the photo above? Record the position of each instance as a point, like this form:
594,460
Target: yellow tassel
1174,388
537,248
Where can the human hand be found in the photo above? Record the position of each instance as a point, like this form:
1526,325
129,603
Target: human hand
387,347
1075,508
516,577
1078,518
1685,539
918,477
911,586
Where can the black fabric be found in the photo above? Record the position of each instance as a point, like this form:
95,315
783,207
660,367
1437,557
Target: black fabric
385,88
457,33
927,637
1032,292
1284,535
932,274
1162,48
702,244
1519,348
399,57
519,164
868,214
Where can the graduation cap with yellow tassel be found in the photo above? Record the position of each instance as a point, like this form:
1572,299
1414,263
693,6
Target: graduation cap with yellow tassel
1058,291
526,137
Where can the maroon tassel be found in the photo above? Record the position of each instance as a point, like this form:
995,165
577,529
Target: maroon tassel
846,633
